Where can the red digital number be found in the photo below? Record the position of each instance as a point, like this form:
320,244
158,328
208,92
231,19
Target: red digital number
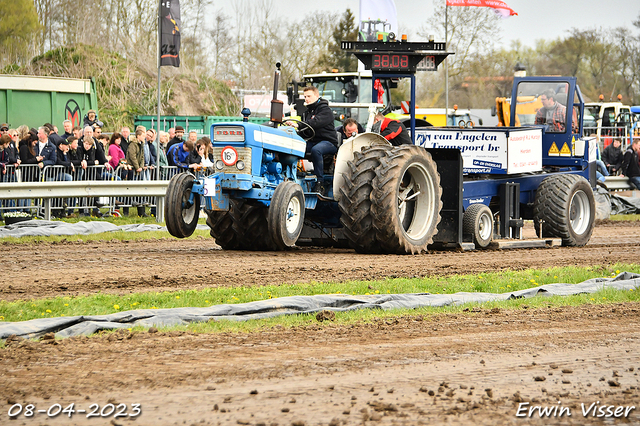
381,61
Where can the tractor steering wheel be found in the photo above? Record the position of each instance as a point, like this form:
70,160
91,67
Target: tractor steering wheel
306,129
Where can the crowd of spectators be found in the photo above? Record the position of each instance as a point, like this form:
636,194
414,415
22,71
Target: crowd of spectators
84,153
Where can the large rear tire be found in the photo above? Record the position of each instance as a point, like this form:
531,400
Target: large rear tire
243,227
355,199
181,217
565,208
286,214
478,222
406,200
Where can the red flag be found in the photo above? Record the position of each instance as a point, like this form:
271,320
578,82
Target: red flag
378,86
500,7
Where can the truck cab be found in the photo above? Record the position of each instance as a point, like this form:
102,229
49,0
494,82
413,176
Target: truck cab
609,120
340,87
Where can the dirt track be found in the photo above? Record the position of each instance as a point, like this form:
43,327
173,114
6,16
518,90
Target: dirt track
467,369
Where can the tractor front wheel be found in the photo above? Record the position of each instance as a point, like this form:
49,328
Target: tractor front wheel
181,215
286,214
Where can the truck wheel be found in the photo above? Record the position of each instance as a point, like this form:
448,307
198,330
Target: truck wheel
243,227
181,218
478,222
566,207
406,200
355,199
286,214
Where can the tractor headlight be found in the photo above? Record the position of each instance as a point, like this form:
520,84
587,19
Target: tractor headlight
219,165
240,165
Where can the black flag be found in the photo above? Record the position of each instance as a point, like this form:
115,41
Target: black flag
170,33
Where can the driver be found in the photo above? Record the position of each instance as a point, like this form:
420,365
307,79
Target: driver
552,113
325,141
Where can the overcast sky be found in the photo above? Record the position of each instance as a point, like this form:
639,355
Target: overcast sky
537,19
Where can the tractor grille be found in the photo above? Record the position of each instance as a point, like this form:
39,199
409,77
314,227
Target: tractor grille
244,155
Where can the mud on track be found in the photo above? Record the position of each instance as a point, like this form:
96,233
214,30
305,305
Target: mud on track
472,369
70,268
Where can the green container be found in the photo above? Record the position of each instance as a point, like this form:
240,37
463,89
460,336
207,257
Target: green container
189,122
199,123
32,100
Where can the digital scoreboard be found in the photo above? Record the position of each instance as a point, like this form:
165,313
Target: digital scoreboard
397,56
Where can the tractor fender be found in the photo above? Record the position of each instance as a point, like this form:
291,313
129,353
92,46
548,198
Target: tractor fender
345,154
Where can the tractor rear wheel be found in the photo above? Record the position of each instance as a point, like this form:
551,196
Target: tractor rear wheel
565,208
478,222
243,227
286,214
181,217
355,199
406,200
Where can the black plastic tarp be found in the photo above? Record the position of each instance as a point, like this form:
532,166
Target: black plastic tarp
85,325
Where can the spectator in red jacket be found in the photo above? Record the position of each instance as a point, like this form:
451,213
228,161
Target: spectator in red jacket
392,130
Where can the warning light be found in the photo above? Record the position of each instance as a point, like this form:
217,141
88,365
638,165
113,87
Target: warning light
620,97
601,97
404,37
380,37
455,107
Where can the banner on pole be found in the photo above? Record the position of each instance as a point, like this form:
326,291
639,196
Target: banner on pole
498,6
377,17
170,33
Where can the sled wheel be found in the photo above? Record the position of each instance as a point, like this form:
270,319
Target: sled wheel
181,217
286,214
565,208
243,227
355,199
406,200
478,222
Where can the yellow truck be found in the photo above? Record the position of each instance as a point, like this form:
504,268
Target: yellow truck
436,117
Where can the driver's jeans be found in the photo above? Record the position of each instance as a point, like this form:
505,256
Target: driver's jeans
318,150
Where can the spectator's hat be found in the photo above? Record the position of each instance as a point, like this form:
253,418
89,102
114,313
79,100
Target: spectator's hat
179,129
4,126
63,141
91,111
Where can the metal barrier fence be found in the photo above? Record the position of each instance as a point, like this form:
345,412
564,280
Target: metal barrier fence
66,204
607,134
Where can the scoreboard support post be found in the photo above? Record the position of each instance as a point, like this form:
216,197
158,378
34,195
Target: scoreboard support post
398,59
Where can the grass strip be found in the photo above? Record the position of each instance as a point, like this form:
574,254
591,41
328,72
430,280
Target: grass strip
496,282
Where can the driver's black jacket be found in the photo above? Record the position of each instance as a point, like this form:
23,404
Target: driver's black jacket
320,117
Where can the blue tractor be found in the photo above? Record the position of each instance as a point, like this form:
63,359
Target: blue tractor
452,188
258,198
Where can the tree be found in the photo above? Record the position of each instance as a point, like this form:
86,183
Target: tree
345,29
222,45
471,31
18,28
